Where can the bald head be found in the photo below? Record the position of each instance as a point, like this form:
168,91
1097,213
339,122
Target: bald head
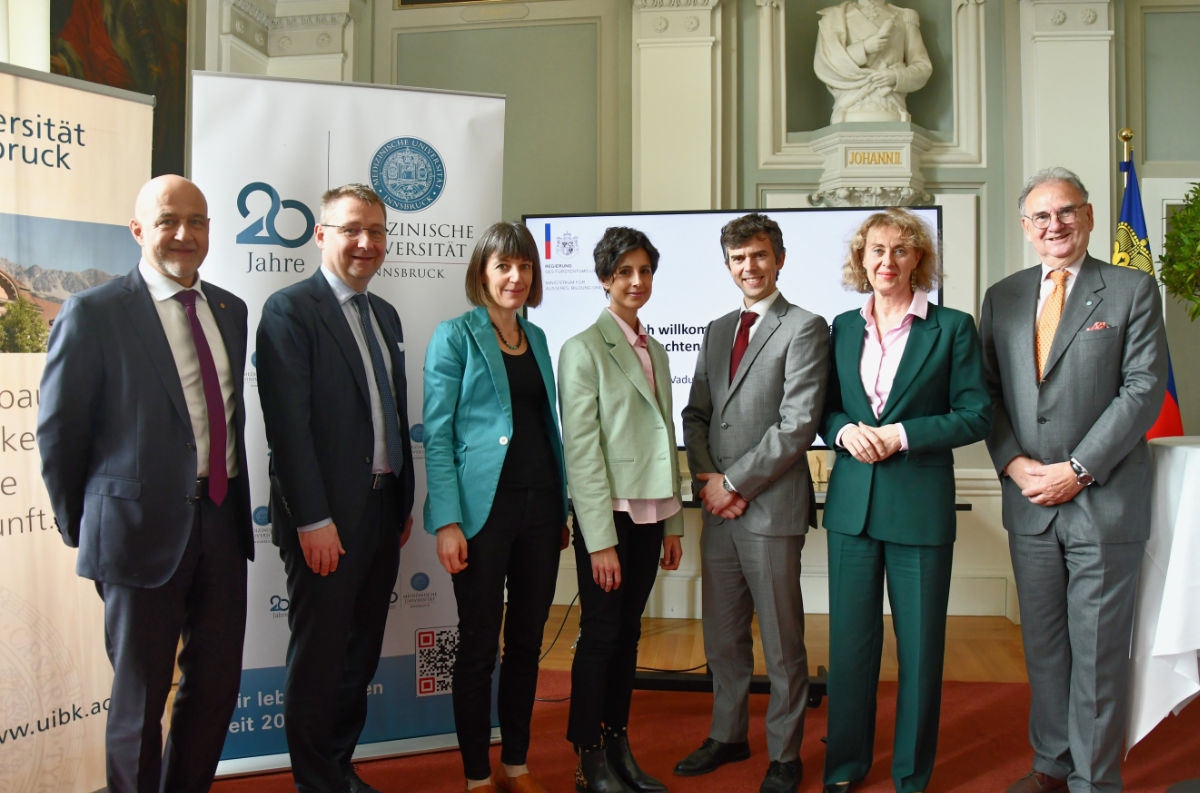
170,224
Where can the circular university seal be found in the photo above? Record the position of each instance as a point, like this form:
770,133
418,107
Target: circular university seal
408,174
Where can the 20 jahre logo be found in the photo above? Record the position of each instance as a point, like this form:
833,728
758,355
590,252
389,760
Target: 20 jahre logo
408,174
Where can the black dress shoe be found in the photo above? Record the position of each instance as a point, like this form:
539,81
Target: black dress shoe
355,785
595,775
620,760
782,777
710,756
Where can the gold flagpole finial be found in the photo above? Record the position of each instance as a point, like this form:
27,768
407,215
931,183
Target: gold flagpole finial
1125,135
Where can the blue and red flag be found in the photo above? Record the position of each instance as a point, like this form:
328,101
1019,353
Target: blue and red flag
1131,248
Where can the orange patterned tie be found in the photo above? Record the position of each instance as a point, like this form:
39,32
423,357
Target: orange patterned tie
1048,321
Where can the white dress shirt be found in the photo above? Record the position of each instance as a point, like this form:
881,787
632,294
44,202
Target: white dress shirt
379,455
183,348
1047,283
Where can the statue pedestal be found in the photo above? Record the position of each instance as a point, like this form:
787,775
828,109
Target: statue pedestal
871,165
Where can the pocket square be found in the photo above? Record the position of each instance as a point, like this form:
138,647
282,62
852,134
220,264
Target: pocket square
1099,326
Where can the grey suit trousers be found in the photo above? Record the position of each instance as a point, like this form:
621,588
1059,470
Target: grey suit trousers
746,573
1077,602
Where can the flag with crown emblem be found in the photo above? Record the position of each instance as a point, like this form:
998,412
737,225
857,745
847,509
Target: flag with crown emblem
1131,248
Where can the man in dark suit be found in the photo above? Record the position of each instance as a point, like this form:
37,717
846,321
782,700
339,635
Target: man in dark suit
140,431
1074,354
331,378
752,413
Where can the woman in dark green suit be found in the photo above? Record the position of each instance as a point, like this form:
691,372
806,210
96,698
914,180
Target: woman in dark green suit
906,387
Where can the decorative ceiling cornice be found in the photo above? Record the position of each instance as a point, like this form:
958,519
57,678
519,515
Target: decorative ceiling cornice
271,22
657,4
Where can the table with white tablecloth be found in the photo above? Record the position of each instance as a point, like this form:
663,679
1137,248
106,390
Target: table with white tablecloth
1165,674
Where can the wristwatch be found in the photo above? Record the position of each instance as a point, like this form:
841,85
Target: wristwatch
726,484
1082,477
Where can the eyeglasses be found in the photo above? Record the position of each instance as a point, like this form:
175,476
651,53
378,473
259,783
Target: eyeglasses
1066,216
354,232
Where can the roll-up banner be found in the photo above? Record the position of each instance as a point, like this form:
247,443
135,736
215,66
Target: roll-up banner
263,152
72,157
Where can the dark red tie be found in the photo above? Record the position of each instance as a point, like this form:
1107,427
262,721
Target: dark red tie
741,341
218,475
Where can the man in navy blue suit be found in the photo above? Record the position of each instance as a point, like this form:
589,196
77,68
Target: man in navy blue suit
331,379
140,431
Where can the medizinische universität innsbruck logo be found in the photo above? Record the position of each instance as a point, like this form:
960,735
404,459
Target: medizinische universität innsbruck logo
408,174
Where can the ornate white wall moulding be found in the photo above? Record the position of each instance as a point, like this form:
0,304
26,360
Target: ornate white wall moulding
965,145
298,34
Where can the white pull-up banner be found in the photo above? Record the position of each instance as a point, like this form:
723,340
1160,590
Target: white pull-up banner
263,152
72,158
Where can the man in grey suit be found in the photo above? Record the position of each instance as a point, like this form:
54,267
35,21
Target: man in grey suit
1074,353
752,414
140,431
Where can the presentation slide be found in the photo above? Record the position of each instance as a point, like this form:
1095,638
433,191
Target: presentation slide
692,286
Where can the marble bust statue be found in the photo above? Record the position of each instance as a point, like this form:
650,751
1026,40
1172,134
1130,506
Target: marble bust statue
870,56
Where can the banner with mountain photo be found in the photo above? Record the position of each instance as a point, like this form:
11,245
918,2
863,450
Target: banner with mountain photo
72,157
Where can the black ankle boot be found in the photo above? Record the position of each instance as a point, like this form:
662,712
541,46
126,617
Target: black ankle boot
620,760
593,774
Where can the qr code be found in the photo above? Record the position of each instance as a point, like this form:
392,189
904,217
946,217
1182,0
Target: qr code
435,660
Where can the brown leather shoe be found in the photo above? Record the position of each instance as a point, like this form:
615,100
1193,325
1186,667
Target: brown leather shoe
525,783
1037,782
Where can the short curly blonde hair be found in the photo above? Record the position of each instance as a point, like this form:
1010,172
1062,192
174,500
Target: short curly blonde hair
914,231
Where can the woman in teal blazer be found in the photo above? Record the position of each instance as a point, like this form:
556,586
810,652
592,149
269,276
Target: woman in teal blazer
905,388
623,471
497,496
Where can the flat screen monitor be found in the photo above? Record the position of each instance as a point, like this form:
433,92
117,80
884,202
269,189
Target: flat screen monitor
692,286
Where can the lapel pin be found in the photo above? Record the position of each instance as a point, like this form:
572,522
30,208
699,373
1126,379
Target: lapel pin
1088,303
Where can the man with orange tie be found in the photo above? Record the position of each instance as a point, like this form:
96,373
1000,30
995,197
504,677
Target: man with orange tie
1074,354
752,413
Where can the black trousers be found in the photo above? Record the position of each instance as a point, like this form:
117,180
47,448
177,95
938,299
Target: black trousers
204,602
610,624
337,623
517,546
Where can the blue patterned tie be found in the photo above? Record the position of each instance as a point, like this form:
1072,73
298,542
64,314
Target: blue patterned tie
391,424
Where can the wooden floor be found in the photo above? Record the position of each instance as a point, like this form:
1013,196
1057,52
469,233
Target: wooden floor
977,648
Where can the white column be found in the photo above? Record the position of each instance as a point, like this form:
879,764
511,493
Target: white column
1068,77
677,104
25,33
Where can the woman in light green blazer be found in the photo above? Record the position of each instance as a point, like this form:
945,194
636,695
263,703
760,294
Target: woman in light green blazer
623,476
905,388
